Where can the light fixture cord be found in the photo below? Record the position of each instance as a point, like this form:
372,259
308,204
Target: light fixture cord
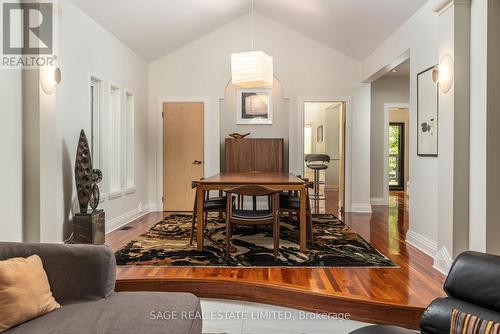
251,25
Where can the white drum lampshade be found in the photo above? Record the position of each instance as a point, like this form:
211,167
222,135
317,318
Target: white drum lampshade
252,69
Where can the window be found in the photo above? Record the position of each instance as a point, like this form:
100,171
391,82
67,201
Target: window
129,142
114,142
96,121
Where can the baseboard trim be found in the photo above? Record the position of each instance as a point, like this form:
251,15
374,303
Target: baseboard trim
378,201
361,208
422,243
443,261
127,217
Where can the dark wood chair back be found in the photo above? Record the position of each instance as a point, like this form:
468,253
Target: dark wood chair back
251,190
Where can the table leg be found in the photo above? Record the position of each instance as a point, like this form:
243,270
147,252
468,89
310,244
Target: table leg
302,218
199,219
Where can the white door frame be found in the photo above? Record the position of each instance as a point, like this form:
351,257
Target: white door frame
387,108
159,138
347,150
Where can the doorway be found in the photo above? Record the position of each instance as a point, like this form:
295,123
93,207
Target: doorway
397,141
396,156
183,153
324,133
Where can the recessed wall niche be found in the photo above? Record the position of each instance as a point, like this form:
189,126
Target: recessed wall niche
279,129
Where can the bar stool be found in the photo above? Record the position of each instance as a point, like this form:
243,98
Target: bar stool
317,162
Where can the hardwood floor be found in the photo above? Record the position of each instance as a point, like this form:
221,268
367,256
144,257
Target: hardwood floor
377,295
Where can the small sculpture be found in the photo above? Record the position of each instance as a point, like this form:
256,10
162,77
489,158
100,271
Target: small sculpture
86,178
95,194
238,136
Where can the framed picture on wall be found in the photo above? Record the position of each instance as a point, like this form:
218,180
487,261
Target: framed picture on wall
254,106
427,114
319,134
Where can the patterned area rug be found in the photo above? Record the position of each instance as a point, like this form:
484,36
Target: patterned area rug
167,244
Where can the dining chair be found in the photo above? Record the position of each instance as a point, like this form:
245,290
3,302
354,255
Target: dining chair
290,202
238,216
214,204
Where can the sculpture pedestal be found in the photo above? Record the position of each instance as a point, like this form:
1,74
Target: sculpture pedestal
89,228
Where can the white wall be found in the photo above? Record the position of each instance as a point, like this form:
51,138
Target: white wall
388,89
202,68
493,136
11,153
84,48
332,142
360,150
478,132
419,35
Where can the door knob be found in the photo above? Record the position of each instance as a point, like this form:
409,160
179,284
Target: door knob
197,162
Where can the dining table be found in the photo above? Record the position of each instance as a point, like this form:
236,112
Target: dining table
279,181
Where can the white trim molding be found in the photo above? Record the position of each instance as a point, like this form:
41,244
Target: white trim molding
127,217
443,261
361,208
422,243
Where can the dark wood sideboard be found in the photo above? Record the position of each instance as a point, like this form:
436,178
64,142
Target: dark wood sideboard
254,155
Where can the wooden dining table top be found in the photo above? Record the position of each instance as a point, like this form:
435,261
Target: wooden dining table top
253,178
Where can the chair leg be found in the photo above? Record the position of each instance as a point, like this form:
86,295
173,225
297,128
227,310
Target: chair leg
276,237
240,202
311,229
228,239
193,222
254,202
206,220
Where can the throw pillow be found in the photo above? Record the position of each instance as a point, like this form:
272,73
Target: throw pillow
464,323
24,291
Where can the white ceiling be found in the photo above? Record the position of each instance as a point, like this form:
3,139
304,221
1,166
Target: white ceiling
402,70
154,28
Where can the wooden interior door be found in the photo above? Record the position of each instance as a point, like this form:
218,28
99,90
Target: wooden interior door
183,153
342,157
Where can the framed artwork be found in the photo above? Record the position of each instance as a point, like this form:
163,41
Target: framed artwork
319,134
254,106
427,115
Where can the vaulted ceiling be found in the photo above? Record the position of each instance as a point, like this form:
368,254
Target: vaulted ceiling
154,28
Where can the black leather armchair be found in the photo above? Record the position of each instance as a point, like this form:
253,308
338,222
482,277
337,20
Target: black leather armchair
472,286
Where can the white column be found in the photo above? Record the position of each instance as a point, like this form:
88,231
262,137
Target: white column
39,161
454,125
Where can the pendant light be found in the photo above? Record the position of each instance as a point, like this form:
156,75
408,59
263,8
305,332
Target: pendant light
252,69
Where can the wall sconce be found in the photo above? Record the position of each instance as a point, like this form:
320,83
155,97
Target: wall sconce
49,78
443,73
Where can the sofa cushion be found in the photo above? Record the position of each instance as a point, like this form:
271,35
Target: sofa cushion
24,291
123,313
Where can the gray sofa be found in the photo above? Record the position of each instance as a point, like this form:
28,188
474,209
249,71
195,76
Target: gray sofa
82,279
